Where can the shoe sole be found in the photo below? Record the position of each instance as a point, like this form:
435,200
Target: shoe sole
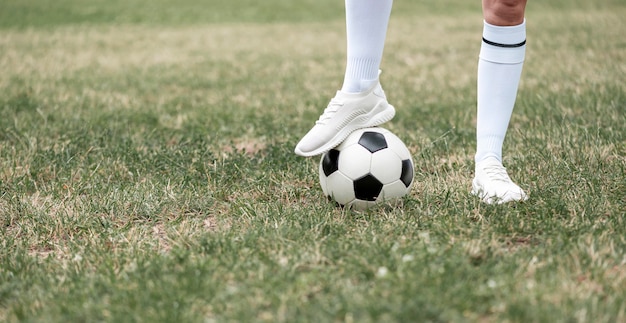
377,119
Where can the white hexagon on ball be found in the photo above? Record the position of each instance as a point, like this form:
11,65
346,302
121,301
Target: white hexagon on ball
354,161
386,166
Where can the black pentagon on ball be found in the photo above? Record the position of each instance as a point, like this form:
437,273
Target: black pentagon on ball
407,172
330,162
373,141
367,188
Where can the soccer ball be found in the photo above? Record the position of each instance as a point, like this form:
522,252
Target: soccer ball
370,166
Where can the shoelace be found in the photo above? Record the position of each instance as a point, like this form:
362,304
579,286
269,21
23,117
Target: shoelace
497,172
330,111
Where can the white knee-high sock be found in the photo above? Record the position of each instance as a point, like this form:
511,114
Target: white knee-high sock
500,65
366,29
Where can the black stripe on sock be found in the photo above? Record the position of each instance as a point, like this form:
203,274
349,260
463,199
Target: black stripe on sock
504,45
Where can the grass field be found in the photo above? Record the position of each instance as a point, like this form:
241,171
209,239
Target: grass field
147,169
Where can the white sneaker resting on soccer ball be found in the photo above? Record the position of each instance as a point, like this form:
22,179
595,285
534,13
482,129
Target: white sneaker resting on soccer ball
346,113
493,185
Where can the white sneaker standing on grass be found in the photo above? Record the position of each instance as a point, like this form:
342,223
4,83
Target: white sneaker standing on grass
493,185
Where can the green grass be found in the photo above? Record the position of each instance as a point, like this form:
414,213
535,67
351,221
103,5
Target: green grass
147,172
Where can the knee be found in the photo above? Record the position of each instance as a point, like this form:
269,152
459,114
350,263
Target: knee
504,12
